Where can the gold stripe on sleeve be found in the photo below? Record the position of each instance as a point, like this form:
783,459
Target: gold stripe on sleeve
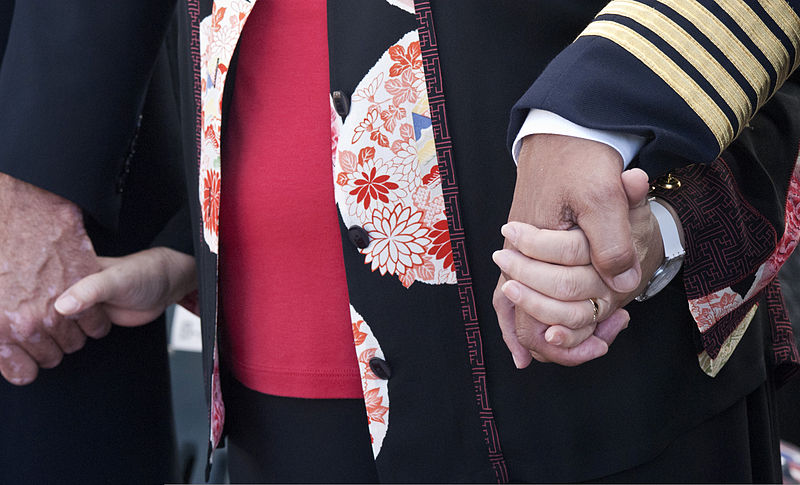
760,34
725,40
664,67
788,21
690,49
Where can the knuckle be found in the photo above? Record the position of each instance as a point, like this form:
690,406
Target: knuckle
573,318
615,256
566,286
75,344
52,359
572,251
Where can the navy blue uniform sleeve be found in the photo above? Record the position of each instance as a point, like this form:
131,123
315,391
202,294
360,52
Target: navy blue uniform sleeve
686,74
72,83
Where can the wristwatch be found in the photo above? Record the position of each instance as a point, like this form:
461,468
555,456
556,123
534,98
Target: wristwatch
673,252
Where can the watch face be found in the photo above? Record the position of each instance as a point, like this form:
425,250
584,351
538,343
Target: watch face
663,276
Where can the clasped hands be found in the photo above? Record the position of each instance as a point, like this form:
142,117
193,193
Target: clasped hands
54,290
579,228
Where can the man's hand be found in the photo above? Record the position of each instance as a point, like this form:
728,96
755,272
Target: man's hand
43,249
563,182
542,299
133,290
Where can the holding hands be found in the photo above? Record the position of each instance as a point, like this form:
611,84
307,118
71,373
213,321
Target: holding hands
554,304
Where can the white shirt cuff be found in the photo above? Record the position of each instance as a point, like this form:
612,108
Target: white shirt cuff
541,121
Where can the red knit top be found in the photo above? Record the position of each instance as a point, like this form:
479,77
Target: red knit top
284,304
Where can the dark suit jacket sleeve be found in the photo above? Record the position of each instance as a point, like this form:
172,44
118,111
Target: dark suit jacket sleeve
72,83
690,76
741,217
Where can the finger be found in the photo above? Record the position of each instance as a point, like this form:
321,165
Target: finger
562,336
604,220
531,334
42,349
550,311
566,283
569,248
505,318
608,329
64,332
89,291
16,366
94,322
636,186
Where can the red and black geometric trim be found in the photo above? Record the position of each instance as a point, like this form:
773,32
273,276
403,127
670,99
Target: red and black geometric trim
444,154
193,7
786,362
725,237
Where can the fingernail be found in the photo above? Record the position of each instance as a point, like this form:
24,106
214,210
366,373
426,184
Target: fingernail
67,305
501,259
509,232
516,361
554,338
511,291
627,281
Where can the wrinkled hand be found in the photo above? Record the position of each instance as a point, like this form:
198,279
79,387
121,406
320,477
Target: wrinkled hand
542,298
132,290
43,249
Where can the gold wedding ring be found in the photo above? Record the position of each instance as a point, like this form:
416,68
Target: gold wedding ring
595,309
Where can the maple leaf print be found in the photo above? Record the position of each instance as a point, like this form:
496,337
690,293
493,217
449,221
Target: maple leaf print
405,59
404,88
374,404
216,18
358,336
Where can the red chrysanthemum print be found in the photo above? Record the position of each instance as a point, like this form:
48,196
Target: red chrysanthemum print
440,247
398,240
211,186
371,186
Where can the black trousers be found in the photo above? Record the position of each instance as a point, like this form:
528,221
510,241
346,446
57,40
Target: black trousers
286,440
274,439
103,416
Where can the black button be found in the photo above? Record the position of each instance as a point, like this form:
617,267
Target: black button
358,236
380,368
340,103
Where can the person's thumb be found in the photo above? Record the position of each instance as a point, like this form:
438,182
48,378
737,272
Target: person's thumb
90,290
636,186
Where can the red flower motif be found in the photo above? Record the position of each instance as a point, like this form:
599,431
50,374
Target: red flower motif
375,408
358,336
211,186
431,177
372,186
211,135
368,125
405,59
441,248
